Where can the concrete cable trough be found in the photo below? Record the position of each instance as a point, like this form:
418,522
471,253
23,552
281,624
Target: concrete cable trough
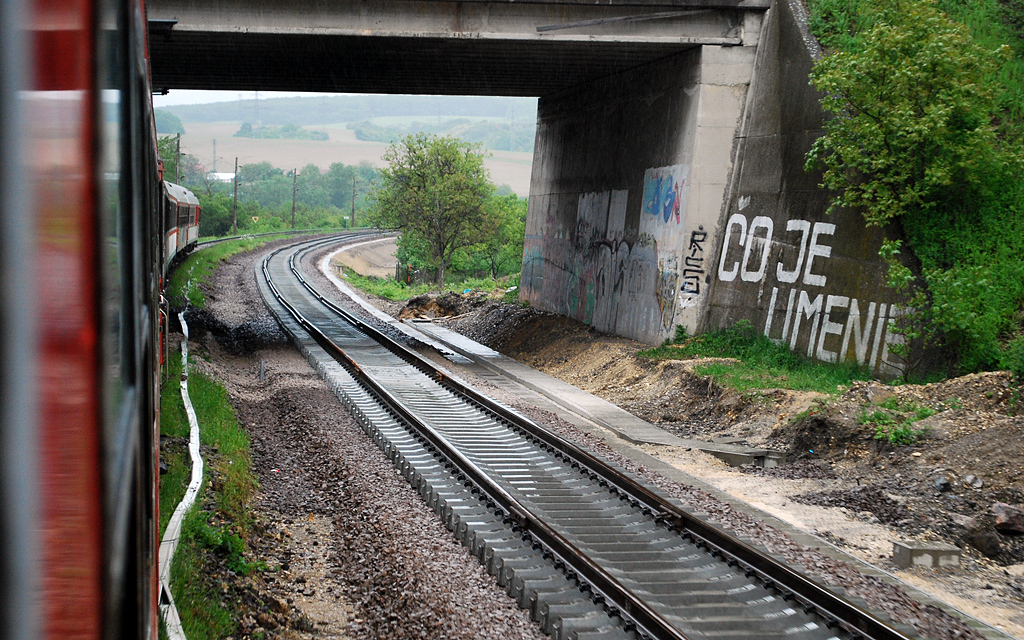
588,549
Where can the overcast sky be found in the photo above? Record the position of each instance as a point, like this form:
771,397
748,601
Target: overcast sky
183,96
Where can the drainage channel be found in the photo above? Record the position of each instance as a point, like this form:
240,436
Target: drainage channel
588,550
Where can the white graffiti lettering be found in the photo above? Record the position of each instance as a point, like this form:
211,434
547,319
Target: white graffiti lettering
825,251
813,318
810,247
760,222
739,220
789,277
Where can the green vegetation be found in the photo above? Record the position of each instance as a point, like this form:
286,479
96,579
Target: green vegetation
184,286
167,122
323,200
435,190
496,136
926,135
894,421
393,290
218,524
761,363
287,132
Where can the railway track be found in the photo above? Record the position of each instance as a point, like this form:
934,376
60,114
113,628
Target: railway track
589,550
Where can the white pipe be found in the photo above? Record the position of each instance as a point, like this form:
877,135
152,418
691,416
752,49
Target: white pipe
169,543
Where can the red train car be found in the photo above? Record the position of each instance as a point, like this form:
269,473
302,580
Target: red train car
80,266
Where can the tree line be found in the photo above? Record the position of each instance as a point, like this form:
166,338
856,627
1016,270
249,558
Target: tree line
453,220
323,199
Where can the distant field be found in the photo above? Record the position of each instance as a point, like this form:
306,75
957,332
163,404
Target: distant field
506,167
401,121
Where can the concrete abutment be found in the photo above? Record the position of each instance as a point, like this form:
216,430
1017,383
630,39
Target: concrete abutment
674,193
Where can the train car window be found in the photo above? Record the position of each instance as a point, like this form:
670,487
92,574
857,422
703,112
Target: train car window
122,281
115,316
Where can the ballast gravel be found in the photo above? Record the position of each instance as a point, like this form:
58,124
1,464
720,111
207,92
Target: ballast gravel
401,570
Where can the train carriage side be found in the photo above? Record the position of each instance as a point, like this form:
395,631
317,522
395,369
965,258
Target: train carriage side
80,262
181,212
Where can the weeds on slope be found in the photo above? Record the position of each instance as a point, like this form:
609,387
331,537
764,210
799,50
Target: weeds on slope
757,362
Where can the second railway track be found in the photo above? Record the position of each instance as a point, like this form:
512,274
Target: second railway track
590,551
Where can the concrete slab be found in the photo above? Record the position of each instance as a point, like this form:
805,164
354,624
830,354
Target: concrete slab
925,554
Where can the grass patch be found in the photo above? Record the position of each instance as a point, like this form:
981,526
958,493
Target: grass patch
394,290
894,421
196,269
763,364
216,528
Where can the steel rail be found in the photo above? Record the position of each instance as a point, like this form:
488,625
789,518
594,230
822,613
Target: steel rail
772,573
589,575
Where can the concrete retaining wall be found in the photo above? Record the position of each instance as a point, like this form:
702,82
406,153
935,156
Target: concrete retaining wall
812,280
675,194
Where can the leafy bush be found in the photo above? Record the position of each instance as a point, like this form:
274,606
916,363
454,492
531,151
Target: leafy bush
926,127
895,424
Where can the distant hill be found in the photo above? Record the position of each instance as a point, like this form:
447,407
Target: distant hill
493,135
321,110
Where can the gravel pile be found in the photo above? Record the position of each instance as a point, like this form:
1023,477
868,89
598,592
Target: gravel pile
870,499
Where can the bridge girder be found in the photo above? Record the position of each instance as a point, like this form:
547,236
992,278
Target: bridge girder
427,46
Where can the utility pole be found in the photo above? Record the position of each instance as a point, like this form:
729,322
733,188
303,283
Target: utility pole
177,161
295,189
234,205
353,198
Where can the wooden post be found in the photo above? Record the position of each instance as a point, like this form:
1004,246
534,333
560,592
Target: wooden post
295,188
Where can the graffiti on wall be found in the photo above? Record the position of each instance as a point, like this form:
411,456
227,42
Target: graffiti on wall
624,282
693,268
836,327
665,192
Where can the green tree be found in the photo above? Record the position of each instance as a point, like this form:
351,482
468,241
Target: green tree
912,113
503,247
190,171
435,190
167,122
215,216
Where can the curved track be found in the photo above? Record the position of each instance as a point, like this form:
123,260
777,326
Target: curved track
587,548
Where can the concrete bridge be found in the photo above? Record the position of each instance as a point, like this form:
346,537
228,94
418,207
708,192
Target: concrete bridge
668,185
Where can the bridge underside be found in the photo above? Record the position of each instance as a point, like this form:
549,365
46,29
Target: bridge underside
354,64
427,46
